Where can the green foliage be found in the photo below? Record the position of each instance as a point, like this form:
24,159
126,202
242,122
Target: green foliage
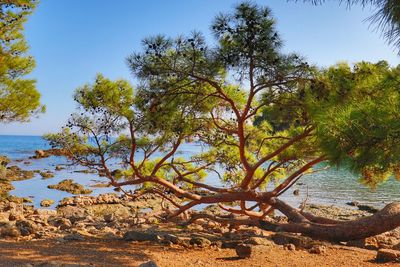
356,110
19,99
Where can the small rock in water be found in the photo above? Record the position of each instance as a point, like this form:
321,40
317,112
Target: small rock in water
244,250
353,203
46,202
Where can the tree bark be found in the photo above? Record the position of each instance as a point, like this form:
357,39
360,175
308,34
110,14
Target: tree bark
384,220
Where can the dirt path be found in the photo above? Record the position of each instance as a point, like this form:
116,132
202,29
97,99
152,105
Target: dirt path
122,253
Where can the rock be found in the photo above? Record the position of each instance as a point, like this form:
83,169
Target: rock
290,247
297,240
148,264
109,218
9,230
353,203
40,154
4,161
230,243
61,223
200,242
46,175
359,243
71,212
14,216
173,239
74,237
46,202
296,192
388,255
317,249
26,227
4,216
259,241
244,251
68,185
59,168
140,236
45,212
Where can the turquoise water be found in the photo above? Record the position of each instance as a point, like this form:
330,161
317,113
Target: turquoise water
331,186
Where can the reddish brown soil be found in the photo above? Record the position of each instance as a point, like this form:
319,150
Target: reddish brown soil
121,253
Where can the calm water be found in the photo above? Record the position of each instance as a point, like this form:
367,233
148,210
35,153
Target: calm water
326,187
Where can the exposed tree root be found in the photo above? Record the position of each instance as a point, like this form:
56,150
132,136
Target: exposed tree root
299,222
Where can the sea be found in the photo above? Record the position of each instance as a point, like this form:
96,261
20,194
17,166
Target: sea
332,186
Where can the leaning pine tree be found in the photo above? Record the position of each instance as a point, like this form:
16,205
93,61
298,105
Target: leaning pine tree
265,120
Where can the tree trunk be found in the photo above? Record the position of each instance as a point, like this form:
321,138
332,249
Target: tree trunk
384,220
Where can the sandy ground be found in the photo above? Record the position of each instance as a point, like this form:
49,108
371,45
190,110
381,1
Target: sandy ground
121,253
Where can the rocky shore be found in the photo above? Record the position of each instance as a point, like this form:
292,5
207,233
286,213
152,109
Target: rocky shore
112,217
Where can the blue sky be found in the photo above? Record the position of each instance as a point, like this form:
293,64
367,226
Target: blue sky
72,40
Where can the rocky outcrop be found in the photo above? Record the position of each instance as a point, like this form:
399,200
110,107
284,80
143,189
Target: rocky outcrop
68,185
50,152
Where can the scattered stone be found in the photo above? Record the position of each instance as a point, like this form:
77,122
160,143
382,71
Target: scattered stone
290,247
317,249
148,264
173,239
109,217
45,212
200,242
297,240
244,251
141,236
388,255
259,241
70,186
359,243
26,227
46,202
74,237
9,230
296,192
230,243
61,223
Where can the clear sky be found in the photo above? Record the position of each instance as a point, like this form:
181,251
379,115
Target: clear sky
72,40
